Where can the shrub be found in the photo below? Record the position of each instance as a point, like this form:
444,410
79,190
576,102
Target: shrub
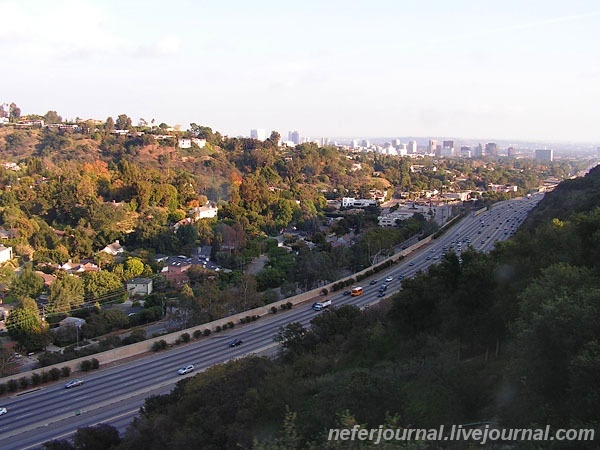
185,337
248,318
95,363
54,374
289,305
197,334
45,376
273,310
12,385
231,324
3,389
254,317
85,365
206,332
23,382
242,320
65,371
324,291
218,328
36,379
159,345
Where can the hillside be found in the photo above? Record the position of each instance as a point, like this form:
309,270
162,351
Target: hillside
509,339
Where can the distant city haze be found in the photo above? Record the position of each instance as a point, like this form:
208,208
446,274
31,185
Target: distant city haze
480,70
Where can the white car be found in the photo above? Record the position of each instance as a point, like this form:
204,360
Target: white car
186,369
388,279
73,383
3,411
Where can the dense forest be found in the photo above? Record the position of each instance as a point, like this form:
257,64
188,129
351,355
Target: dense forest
508,338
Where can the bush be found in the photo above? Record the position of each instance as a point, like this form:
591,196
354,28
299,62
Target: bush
159,345
254,317
185,337
85,365
95,363
197,334
54,374
65,371
3,389
12,385
289,305
324,291
23,382
206,332
36,379
231,324
273,310
218,328
242,320
45,376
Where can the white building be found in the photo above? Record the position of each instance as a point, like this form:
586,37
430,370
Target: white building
6,253
389,220
351,202
139,286
207,211
114,249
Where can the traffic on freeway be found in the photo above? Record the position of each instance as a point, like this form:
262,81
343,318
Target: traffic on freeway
114,395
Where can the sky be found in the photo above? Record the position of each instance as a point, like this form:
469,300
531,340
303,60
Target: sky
474,69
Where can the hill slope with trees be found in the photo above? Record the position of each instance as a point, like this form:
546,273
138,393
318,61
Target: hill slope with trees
508,339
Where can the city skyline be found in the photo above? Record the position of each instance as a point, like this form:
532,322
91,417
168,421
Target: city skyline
505,72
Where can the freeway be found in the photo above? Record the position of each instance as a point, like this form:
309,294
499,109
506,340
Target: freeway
114,395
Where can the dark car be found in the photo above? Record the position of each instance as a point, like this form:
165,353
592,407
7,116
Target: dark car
236,343
347,293
373,282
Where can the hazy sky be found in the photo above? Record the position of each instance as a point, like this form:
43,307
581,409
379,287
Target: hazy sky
520,69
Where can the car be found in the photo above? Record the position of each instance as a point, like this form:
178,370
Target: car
401,277
411,264
347,293
74,383
373,282
3,410
381,294
187,369
428,258
388,279
236,343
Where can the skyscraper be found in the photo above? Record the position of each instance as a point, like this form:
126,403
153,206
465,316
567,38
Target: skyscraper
294,136
259,134
544,155
412,147
491,149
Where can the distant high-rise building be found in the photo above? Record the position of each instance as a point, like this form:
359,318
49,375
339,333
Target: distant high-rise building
465,151
365,143
396,143
432,146
324,141
491,149
259,134
294,136
354,143
544,155
412,147
448,144
510,151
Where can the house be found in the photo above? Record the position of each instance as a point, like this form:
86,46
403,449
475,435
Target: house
8,234
174,272
207,211
48,279
72,322
114,249
6,253
139,286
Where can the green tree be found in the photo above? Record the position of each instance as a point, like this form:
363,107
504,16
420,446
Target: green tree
25,320
28,284
65,293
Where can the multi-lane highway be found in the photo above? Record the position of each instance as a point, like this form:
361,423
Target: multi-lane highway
114,395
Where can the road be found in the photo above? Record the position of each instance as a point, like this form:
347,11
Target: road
114,395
